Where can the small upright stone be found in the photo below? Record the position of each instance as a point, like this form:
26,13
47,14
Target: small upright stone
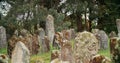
3,39
102,38
20,54
50,27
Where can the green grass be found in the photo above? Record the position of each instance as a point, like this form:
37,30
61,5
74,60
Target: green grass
45,57
105,52
3,50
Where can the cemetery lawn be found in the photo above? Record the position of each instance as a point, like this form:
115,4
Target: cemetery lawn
3,50
105,52
45,57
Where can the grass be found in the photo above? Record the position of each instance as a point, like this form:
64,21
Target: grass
45,57
3,50
105,52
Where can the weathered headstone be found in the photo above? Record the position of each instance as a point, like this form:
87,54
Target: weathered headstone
20,54
115,49
118,26
86,46
66,53
103,41
57,39
65,48
3,39
41,36
112,34
50,27
41,33
102,38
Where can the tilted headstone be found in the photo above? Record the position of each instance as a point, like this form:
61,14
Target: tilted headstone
20,54
86,46
3,39
102,38
50,27
118,26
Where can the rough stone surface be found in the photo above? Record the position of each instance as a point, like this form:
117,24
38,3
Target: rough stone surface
20,54
50,27
115,49
86,46
3,39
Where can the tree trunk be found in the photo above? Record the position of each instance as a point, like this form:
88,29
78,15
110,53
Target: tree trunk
79,23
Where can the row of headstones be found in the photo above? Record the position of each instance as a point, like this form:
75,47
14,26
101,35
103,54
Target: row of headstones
51,30
85,49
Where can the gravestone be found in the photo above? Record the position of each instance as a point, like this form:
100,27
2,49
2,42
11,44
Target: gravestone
3,39
115,49
66,53
58,37
112,34
20,54
50,27
102,38
41,33
118,26
86,46
65,48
